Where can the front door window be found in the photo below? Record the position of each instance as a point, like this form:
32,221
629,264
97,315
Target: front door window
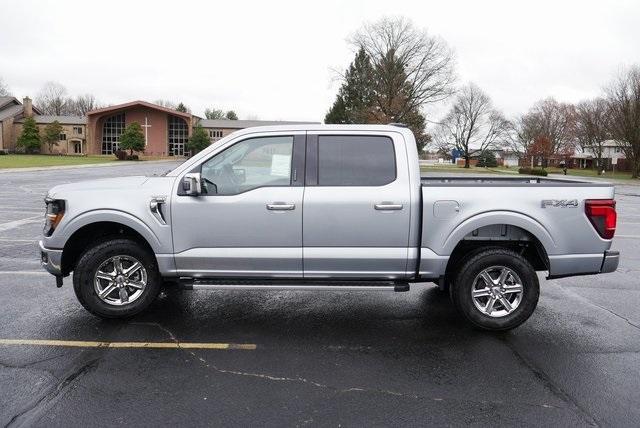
249,164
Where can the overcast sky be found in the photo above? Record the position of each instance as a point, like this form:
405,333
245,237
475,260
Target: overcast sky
276,59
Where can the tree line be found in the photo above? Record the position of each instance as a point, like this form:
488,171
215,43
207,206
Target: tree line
398,70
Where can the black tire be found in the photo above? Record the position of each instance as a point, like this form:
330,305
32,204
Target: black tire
90,261
471,267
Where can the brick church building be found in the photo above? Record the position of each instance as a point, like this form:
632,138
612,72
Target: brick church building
166,130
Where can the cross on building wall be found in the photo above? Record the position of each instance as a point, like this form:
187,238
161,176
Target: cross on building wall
146,127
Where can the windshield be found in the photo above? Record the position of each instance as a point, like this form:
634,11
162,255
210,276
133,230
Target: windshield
223,140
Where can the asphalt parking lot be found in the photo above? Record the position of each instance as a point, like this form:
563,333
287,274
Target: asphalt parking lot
319,358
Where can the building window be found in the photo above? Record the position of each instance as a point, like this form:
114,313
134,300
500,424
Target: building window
215,134
62,137
77,130
178,136
112,129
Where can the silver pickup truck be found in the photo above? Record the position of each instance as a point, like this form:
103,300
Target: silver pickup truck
325,207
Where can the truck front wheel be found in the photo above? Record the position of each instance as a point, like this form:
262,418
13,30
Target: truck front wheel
496,289
116,278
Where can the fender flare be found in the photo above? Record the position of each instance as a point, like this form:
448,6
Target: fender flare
112,216
511,218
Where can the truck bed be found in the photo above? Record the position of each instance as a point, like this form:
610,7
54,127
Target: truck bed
501,181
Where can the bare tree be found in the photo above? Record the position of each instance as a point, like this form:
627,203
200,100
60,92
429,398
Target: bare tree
550,121
52,99
522,134
166,103
411,67
4,88
80,105
591,127
472,125
623,96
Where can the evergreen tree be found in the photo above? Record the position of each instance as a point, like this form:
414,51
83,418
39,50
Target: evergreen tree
182,108
199,140
338,112
132,138
29,140
52,134
354,101
231,115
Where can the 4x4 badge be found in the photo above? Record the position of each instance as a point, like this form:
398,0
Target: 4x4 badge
559,203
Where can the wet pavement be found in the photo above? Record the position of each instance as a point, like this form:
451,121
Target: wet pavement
343,358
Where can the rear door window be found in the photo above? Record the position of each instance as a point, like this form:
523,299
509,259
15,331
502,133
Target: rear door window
355,160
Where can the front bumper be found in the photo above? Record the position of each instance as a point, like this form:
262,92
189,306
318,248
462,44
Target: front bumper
610,261
51,260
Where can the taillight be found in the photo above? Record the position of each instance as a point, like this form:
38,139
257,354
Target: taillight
602,215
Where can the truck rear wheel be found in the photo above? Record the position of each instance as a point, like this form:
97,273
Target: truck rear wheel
116,278
496,289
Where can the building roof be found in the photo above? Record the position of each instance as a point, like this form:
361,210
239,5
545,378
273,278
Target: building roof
10,111
4,101
64,120
139,103
241,124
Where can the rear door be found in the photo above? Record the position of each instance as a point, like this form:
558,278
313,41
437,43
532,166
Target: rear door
356,206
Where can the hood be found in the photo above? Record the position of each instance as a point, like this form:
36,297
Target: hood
119,183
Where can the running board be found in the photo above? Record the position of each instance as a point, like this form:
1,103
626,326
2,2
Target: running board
218,284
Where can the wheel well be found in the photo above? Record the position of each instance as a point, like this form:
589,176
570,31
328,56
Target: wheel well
501,235
92,234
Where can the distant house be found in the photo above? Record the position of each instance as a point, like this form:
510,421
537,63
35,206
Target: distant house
506,157
612,154
12,110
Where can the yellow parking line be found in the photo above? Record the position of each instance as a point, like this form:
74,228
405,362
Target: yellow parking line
150,345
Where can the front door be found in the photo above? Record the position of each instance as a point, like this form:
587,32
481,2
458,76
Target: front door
356,206
249,220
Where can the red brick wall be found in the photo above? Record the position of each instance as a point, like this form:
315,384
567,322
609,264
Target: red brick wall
157,133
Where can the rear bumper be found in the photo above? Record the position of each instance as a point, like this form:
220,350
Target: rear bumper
610,261
583,264
51,260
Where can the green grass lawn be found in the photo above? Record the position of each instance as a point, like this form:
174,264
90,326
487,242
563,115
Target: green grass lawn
513,170
591,173
26,161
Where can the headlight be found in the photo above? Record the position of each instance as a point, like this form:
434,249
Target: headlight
53,215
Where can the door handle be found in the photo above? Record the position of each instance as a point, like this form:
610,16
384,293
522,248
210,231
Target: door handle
386,206
279,206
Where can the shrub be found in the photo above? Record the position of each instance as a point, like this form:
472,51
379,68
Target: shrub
29,140
487,159
199,140
121,154
132,138
533,171
132,157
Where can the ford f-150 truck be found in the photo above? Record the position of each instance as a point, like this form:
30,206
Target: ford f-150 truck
325,207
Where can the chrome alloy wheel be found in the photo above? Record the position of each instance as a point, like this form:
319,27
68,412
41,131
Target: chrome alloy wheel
497,291
120,280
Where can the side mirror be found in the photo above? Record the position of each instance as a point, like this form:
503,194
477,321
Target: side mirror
191,184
